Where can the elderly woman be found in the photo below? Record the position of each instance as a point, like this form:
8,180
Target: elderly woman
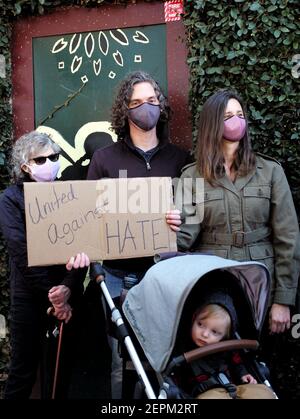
35,157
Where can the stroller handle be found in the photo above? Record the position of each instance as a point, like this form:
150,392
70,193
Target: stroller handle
223,346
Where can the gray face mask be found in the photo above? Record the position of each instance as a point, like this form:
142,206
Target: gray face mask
145,116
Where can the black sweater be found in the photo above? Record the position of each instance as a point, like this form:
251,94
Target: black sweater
167,160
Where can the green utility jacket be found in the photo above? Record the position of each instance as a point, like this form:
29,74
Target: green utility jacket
253,218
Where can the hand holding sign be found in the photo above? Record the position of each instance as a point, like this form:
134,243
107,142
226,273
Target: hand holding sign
105,219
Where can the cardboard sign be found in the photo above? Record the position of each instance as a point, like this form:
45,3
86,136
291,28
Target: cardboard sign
106,219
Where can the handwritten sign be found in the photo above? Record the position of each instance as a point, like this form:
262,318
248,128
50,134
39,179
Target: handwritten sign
106,219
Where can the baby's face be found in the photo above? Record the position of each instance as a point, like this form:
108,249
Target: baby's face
208,330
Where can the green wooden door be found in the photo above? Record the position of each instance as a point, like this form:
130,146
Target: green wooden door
76,78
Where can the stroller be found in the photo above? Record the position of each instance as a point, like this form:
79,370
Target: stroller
159,308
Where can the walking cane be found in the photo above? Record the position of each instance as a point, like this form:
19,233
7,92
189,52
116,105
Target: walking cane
61,326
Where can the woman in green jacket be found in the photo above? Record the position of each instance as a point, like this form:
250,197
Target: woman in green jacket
245,210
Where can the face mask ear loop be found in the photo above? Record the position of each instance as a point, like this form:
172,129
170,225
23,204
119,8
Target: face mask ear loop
27,166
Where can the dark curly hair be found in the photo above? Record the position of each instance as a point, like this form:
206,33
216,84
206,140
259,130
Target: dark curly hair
119,119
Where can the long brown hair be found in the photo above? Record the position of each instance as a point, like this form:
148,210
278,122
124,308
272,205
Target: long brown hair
209,153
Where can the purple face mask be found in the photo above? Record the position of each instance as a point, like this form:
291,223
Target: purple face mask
145,116
45,172
234,128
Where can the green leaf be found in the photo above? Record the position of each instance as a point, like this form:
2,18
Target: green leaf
287,41
231,55
200,72
277,33
277,134
192,60
233,13
235,70
213,70
272,8
2,159
18,9
265,19
255,7
240,23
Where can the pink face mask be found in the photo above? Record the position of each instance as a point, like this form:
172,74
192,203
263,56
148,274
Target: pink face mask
45,172
234,128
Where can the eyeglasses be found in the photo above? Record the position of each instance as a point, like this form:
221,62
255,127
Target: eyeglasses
42,159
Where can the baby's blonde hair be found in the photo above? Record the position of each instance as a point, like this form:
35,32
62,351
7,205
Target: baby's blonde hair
214,310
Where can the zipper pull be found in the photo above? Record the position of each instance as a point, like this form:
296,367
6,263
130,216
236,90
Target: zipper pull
148,165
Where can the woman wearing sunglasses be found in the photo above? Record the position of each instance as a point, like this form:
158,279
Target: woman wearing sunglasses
35,157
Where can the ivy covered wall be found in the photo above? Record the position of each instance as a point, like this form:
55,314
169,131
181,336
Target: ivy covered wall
252,46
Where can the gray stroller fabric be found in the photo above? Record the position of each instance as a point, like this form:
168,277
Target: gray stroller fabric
153,307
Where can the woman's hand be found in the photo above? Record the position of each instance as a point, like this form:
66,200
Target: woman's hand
62,312
173,219
81,260
59,294
279,318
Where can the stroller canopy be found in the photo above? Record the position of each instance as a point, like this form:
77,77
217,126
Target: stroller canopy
153,307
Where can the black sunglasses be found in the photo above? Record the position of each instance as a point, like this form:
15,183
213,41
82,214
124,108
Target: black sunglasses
42,160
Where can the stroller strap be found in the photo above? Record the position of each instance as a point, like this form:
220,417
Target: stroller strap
237,238
215,379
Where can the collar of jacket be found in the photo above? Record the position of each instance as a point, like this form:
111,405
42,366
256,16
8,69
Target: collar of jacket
26,178
258,162
128,141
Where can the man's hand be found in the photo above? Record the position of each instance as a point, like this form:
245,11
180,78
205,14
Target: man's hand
81,260
173,219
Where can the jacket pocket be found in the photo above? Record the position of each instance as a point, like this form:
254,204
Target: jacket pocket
257,203
263,253
214,208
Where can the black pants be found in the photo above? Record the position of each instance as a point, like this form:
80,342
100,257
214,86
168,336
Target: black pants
30,347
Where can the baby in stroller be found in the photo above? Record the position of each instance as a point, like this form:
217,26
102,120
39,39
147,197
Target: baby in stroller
215,320
161,308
